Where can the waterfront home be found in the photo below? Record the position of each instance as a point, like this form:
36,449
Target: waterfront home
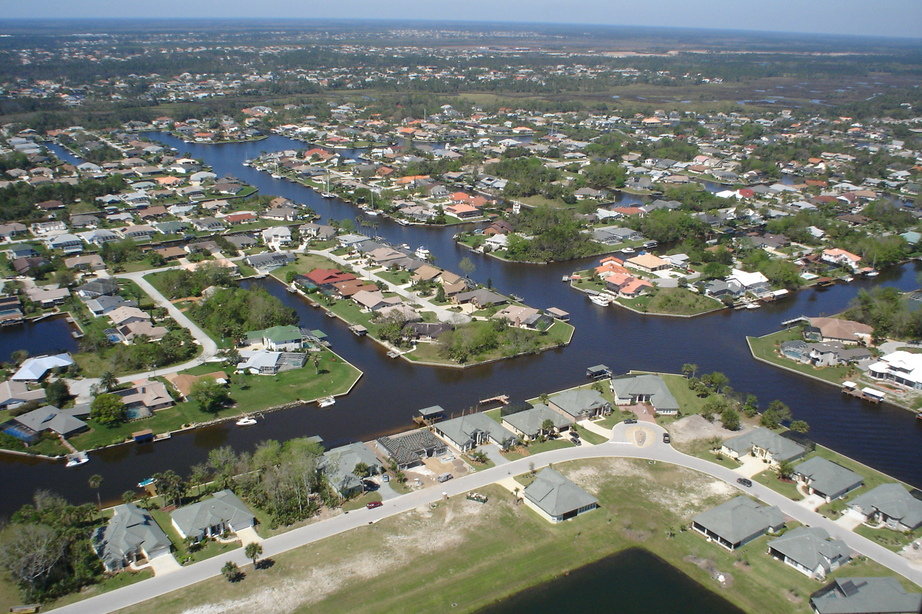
884,595
529,423
313,230
268,362
827,479
754,282
221,513
737,522
648,263
47,296
891,505
132,330
409,450
810,551
338,466
374,300
844,331
480,298
64,422
324,277
900,367
719,288
130,537
13,394
556,498
183,382
645,389
579,404
144,397
277,338
33,369
765,444
840,257
269,260
472,430
522,316
351,287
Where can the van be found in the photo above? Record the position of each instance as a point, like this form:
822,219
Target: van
744,481
444,477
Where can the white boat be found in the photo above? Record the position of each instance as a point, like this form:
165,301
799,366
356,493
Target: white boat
873,274
76,459
422,252
276,176
246,421
328,194
627,250
326,401
600,299
403,222
752,305
372,212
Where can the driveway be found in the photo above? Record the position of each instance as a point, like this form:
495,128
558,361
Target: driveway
386,491
248,536
164,564
492,452
751,466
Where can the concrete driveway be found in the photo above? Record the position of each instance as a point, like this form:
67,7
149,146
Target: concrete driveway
492,452
164,564
248,536
751,466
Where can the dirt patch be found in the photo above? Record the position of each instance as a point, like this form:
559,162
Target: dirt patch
792,596
636,535
724,579
398,546
693,428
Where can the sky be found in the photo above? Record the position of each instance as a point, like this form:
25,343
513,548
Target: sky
901,18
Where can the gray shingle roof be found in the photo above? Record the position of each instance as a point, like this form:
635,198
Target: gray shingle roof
811,547
408,448
129,530
894,501
50,417
337,464
223,506
556,495
827,477
530,420
739,519
781,448
646,385
861,595
578,402
464,430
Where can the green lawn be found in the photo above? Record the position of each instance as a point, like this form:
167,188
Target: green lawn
304,264
589,436
250,393
359,502
538,447
672,301
689,401
559,333
769,478
395,277
181,552
892,540
766,348
642,505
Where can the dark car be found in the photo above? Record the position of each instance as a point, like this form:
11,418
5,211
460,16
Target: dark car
744,481
666,438
373,504
631,421
576,441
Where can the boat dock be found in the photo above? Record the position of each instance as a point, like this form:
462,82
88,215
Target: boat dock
865,394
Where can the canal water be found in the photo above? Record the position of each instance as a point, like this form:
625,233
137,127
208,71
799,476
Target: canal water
48,336
631,582
391,391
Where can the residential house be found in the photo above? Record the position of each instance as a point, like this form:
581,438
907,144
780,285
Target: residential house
34,369
144,397
765,444
47,296
338,467
900,367
133,330
277,237
409,450
373,301
580,403
268,362
66,242
221,513
523,317
102,286
125,315
529,423
277,338
29,426
827,479
268,261
556,498
865,596
472,430
90,262
810,551
891,505
648,263
841,257
844,331
13,394
183,382
480,298
131,536
645,389
737,522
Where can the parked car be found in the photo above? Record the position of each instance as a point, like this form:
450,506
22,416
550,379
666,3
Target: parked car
666,438
631,421
373,504
385,478
576,441
744,481
444,477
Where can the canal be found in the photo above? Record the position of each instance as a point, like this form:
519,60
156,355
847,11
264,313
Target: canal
391,391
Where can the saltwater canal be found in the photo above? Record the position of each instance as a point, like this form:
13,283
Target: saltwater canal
884,437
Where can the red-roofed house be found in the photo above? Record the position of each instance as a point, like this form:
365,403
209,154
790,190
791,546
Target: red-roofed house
323,277
841,257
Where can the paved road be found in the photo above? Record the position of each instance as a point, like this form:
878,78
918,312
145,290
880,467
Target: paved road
209,347
618,447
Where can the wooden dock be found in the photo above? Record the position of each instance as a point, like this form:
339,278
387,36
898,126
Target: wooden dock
502,399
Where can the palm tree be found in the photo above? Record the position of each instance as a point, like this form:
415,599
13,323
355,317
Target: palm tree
108,381
95,482
252,552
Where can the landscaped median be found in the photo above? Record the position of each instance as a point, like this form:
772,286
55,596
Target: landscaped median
375,568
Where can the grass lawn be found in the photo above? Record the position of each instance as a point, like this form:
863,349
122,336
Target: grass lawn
395,277
559,333
357,503
304,264
537,448
672,301
766,349
892,540
702,449
689,402
181,552
250,393
770,478
642,505
589,436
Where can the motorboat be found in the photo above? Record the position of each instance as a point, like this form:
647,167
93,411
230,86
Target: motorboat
752,305
326,401
328,194
246,421
146,482
422,252
627,250
76,459
372,212
403,222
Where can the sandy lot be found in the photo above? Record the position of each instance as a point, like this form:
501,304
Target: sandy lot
691,428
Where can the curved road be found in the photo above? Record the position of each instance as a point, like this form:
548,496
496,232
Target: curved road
618,447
